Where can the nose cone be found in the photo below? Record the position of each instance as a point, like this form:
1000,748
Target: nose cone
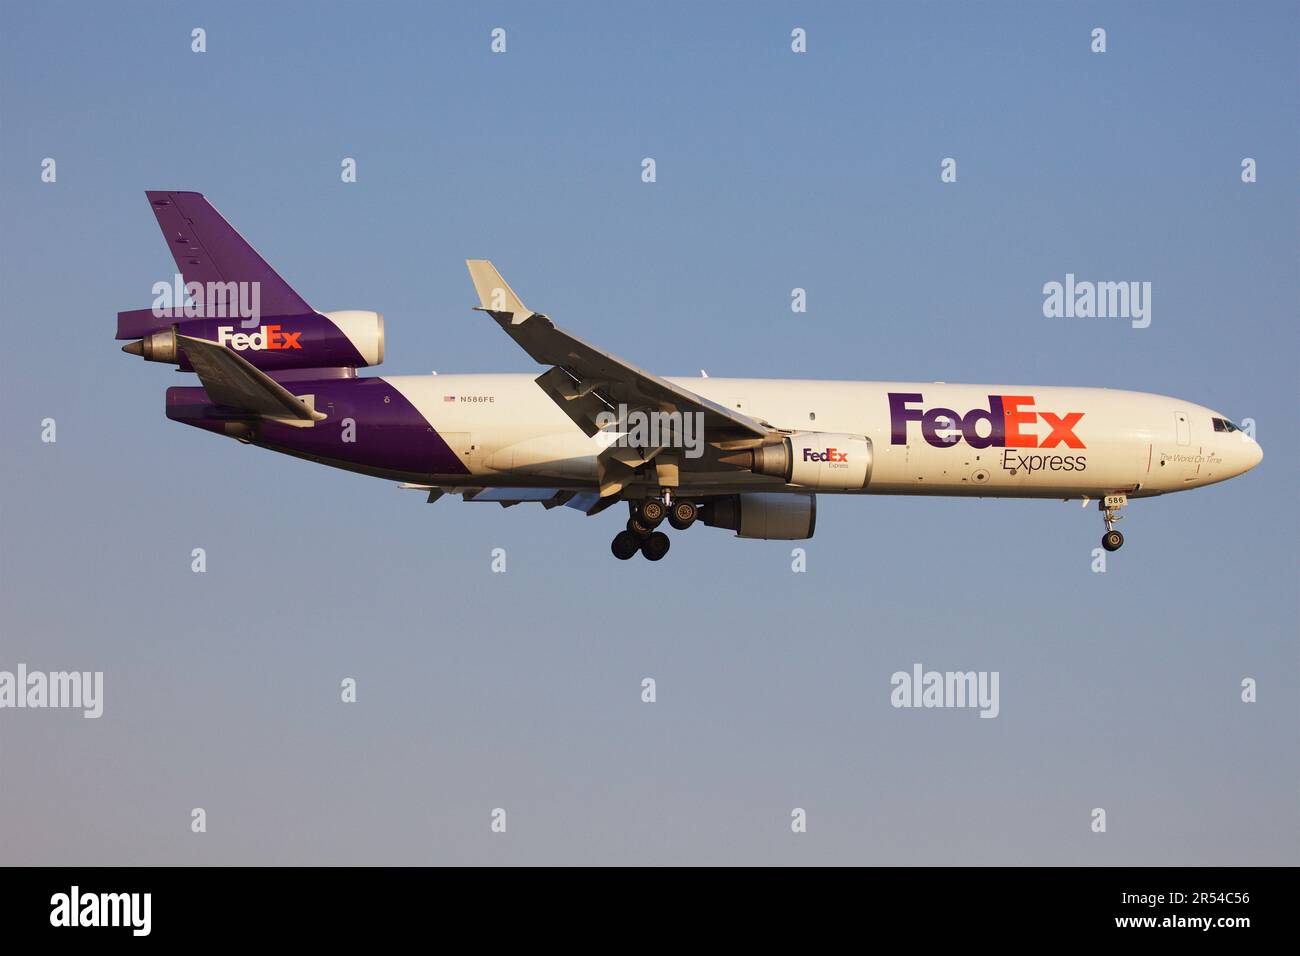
1247,454
1256,454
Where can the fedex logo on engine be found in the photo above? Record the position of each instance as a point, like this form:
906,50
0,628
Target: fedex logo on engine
830,455
266,337
1004,420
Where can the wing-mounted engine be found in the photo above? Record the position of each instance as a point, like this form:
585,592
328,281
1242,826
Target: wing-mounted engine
773,516
820,460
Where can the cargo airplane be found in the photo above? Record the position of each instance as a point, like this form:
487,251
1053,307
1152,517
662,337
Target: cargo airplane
592,430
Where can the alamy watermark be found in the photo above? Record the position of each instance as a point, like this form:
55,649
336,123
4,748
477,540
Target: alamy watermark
655,429
1098,300
208,300
128,910
82,690
922,688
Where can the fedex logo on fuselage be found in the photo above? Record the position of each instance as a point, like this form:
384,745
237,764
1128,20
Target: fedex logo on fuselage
266,337
1005,417
830,455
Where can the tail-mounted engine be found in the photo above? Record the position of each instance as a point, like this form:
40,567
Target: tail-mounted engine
350,339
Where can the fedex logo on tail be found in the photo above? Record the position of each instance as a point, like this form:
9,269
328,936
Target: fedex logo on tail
266,337
1005,418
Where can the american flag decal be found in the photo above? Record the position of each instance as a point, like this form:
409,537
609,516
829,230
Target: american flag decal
449,398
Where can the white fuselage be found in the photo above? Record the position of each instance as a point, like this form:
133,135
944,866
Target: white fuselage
1057,442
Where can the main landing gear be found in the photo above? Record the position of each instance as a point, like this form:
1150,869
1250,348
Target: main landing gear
682,514
647,514
1109,507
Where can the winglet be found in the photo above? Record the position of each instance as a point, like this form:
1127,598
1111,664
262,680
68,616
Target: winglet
493,293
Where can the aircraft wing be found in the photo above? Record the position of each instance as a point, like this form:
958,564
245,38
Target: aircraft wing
230,380
588,502
586,380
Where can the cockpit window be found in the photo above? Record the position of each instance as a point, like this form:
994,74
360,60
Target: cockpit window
1223,425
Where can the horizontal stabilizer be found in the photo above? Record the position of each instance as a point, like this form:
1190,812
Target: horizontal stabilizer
230,380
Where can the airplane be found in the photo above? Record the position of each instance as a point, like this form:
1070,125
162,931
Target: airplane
592,430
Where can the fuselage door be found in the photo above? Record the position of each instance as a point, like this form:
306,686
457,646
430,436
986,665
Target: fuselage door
1184,428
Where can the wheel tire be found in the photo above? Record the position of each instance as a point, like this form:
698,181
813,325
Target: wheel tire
682,515
655,546
624,545
637,528
651,512
1112,540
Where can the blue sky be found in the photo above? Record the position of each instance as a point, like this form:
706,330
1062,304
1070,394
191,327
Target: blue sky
522,690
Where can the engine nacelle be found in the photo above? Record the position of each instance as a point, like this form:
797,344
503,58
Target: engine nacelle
764,514
821,460
364,330
349,339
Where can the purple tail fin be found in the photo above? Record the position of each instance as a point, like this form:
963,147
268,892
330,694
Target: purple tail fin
227,295
208,249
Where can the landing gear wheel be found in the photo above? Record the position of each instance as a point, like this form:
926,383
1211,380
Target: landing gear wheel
1109,506
625,544
682,514
637,528
650,512
655,546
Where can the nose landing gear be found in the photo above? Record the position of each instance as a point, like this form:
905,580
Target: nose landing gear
1109,506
